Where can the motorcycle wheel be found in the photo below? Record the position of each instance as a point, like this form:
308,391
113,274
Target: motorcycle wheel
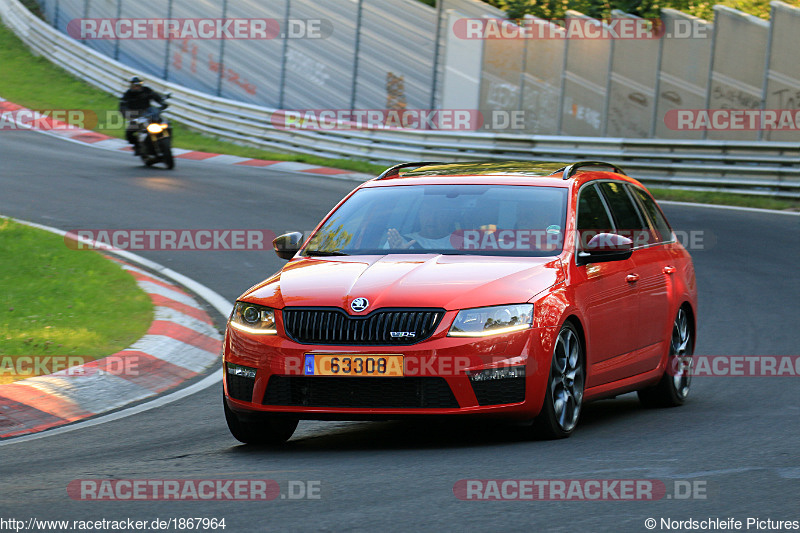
165,147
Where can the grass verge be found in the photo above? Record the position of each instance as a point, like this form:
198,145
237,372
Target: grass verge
726,198
73,306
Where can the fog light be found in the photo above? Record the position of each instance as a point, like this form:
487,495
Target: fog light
243,371
506,372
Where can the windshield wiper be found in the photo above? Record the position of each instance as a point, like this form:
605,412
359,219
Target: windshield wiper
323,253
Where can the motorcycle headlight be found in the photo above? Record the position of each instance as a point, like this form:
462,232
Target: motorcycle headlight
484,321
156,128
254,319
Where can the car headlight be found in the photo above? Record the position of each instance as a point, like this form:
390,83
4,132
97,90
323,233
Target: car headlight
252,318
485,321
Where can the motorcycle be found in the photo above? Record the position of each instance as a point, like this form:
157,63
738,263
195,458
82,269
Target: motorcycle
154,135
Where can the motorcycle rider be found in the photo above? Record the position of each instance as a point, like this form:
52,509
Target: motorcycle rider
133,104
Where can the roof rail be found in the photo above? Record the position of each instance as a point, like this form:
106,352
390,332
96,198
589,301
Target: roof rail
575,167
395,170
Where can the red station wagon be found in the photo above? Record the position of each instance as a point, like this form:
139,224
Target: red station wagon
517,290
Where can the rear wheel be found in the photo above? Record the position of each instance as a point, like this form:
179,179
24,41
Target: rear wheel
673,388
564,396
261,430
165,147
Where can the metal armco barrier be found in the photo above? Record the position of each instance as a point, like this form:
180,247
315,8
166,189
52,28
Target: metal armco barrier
761,168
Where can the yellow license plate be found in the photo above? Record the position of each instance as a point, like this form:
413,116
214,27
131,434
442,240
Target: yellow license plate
363,365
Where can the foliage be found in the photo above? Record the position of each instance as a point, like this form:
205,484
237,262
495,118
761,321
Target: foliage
556,9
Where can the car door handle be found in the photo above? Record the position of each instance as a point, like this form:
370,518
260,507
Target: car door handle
670,270
631,278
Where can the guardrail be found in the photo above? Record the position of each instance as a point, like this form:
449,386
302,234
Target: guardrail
758,168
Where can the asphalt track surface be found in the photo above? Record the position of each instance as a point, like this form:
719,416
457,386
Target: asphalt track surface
737,436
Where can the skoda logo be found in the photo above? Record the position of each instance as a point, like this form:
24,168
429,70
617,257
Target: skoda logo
359,304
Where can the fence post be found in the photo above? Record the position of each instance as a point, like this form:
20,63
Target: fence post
607,103
711,70
561,90
522,72
438,33
767,61
283,54
85,16
55,16
169,41
657,87
355,59
222,50
116,44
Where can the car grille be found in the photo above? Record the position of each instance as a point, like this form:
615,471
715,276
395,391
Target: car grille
240,387
499,391
334,326
410,392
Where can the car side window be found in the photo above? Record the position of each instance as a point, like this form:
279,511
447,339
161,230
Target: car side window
629,220
593,217
654,212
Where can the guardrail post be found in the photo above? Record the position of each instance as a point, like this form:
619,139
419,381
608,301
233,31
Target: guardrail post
169,42
282,92
357,46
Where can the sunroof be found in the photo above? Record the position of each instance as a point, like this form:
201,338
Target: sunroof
526,168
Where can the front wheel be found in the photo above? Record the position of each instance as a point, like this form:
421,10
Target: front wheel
673,388
165,147
564,396
268,430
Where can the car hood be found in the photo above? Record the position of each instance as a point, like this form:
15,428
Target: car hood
442,281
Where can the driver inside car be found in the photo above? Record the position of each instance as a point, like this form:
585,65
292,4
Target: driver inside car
434,229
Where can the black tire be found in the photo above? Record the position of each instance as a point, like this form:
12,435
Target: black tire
266,430
565,385
673,388
165,147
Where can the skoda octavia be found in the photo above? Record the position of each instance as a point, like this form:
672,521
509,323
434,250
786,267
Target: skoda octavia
516,290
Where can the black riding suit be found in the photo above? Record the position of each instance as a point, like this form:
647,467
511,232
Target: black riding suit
132,104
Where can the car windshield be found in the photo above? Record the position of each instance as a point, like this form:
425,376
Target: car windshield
509,220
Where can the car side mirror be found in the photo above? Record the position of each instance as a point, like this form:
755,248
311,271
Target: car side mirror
288,244
605,247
